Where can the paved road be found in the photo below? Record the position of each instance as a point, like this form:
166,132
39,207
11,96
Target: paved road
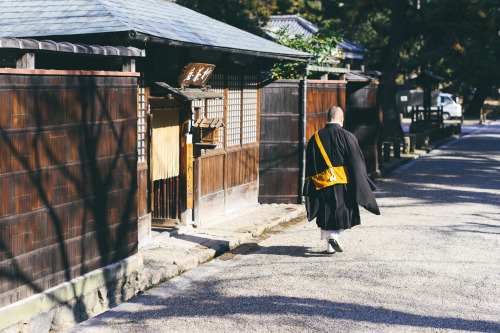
467,126
429,263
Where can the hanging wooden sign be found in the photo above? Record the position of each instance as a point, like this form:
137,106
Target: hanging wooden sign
189,176
196,74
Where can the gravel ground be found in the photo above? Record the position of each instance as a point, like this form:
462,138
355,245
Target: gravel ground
429,263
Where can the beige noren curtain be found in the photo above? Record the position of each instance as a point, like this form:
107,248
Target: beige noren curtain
165,147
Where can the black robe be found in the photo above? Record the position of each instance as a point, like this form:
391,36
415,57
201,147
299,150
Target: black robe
336,207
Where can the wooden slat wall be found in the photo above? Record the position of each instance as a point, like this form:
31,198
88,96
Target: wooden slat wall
279,167
212,174
281,133
321,96
67,178
362,118
243,164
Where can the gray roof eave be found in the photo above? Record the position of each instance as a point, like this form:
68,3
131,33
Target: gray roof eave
296,56
160,18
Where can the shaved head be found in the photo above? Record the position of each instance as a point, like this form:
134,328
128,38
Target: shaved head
335,114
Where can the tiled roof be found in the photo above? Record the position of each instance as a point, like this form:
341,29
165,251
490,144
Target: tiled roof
159,18
294,23
298,26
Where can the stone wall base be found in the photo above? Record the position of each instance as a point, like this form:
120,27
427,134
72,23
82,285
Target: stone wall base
72,302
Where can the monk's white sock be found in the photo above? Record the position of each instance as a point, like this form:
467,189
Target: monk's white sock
325,234
329,248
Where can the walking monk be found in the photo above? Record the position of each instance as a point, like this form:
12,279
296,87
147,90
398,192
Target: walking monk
336,181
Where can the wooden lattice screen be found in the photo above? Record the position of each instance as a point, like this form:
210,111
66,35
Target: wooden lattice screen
250,105
241,105
215,107
234,104
142,106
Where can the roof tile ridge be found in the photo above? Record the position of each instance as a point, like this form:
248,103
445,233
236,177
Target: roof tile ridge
105,5
308,25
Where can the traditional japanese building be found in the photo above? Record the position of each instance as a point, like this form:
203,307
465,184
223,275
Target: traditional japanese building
191,91
296,25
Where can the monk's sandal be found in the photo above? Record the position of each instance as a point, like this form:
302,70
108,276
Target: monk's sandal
336,245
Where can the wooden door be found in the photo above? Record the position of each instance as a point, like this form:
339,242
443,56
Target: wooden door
165,164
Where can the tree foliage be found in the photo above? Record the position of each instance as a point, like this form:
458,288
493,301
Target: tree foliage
462,44
455,39
322,46
247,15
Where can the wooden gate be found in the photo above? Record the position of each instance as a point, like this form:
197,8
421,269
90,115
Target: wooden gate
280,150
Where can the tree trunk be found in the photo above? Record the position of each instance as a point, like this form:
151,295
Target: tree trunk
482,92
392,124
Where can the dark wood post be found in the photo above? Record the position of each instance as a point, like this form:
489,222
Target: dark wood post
196,175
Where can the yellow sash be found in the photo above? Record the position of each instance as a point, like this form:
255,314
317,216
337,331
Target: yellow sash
332,175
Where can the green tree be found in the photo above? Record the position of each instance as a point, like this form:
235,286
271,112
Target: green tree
382,27
322,46
247,15
462,44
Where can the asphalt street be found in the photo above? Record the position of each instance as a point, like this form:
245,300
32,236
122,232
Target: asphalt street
429,263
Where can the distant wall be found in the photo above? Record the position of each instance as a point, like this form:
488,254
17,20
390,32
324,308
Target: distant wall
67,176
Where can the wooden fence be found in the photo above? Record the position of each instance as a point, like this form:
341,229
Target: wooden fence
67,176
280,165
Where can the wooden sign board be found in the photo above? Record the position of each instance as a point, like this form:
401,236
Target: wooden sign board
196,74
189,176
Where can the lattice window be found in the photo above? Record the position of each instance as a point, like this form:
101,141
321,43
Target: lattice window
199,103
215,107
250,105
234,110
141,124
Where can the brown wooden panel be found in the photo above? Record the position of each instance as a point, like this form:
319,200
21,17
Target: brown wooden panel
362,119
279,128
277,155
212,174
284,182
242,166
6,196
5,153
280,162
166,198
280,97
68,175
5,108
280,136
142,196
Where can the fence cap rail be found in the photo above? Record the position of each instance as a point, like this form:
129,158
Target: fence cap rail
29,44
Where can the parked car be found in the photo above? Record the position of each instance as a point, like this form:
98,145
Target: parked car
450,106
412,98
